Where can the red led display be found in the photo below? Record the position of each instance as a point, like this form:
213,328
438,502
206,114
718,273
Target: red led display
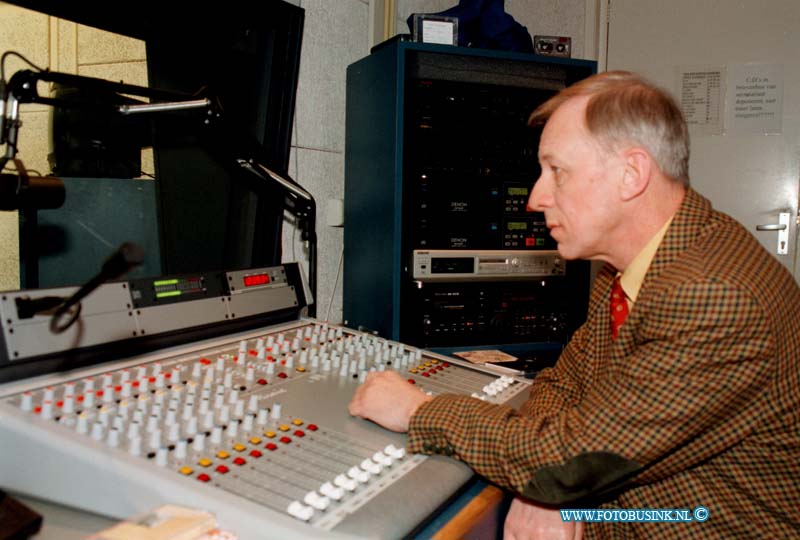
256,279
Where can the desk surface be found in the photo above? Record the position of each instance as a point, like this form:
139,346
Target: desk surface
64,523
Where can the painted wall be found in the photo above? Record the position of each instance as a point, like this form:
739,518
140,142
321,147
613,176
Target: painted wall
60,46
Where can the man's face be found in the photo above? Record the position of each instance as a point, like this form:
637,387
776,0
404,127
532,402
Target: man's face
575,190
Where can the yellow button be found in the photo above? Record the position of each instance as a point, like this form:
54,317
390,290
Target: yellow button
239,447
269,434
255,440
283,427
222,454
297,422
434,360
428,364
413,370
301,369
205,462
185,470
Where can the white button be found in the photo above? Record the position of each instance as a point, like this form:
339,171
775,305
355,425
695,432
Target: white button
357,474
335,493
300,511
47,410
276,411
199,442
396,453
345,482
316,500
371,467
161,457
26,403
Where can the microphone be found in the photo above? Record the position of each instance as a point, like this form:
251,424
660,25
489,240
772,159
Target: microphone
23,191
128,256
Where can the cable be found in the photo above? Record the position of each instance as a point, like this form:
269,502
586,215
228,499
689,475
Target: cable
335,283
14,53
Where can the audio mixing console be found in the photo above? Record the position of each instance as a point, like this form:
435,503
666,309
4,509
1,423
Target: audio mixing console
251,425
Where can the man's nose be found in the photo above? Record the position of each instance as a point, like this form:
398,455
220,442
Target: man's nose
540,197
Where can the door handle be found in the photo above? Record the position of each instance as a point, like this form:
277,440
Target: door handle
783,232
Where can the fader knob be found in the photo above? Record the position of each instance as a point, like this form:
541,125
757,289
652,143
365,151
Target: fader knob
315,500
276,411
26,403
299,510
328,489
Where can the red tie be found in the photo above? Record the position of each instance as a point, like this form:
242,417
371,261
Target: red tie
619,307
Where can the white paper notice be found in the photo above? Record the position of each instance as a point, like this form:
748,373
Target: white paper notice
437,32
701,98
755,100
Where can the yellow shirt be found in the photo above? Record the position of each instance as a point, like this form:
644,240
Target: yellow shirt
632,278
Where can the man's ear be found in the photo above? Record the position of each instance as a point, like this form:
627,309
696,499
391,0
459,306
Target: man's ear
639,168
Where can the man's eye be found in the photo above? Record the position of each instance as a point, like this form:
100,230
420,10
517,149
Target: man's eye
558,175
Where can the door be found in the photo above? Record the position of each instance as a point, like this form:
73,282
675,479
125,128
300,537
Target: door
738,61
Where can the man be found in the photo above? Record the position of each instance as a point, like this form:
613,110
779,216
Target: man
694,400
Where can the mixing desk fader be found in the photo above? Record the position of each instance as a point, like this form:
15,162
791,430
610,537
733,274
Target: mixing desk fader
251,425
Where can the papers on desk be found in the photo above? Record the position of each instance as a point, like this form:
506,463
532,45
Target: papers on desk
485,357
168,522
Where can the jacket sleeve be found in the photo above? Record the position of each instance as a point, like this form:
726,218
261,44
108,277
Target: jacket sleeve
687,392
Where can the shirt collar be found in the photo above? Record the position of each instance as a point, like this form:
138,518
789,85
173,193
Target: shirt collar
633,276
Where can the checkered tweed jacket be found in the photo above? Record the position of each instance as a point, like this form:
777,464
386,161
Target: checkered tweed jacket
696,403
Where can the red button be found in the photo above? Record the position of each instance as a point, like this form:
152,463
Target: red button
205,361
59,404
530,241
37,410
256,453
300,433
118,389
203,477
152,379
282,375
99,393
253,352
135,384
222,469
79,398
240,461
262,382
439,368
312,427
426,374
447,364
286,440
412,381
271,447
168,375
271,358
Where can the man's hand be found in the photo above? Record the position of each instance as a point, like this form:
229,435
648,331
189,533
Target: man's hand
387,399
528,521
